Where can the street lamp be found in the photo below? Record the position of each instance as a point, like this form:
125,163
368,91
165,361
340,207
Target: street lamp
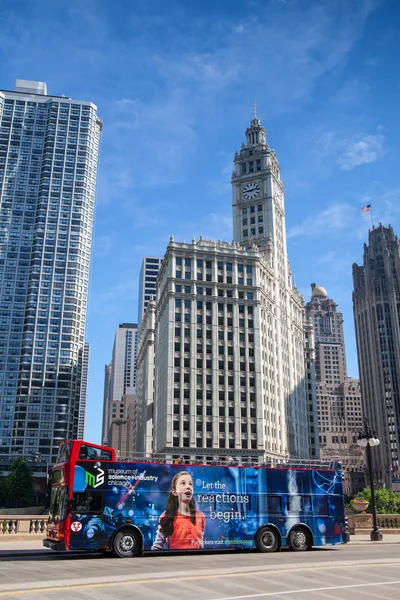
366,439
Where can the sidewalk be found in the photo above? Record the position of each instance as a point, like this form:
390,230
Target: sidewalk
20,548
388,538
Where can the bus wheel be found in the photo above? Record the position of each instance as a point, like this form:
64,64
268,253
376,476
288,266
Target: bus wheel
299,539
267,540
126,543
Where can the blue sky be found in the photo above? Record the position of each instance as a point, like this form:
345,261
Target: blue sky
174,84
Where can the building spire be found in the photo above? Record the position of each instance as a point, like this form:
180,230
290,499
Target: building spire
255,134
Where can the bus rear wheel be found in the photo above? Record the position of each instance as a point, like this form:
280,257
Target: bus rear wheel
267,540
299,539
126,544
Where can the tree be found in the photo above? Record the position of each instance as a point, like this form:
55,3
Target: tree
19,484
387,502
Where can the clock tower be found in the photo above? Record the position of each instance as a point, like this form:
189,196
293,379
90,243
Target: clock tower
257,196
259,227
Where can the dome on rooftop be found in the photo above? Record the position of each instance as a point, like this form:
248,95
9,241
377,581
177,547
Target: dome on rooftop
318,290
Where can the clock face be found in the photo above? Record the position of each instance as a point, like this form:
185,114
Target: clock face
251,190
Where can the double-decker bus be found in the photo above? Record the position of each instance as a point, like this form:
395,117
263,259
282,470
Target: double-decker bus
102,504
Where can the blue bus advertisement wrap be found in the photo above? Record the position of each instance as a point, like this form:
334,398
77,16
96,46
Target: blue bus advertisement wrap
183,507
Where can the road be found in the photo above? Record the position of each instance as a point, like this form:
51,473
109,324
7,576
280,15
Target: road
343,573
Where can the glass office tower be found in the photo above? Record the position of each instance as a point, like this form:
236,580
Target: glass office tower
48,165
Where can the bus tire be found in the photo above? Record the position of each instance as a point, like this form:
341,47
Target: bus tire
126,543
300,539
267,539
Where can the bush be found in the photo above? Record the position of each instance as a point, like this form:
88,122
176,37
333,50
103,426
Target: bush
387,502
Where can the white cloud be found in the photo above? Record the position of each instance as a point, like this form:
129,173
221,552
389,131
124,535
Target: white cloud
361,149
333,219
351,92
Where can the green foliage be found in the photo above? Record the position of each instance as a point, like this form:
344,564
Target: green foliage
19,484
387,502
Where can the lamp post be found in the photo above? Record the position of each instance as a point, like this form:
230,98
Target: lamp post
366,439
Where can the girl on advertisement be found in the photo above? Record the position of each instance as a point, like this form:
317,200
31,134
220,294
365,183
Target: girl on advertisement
180,526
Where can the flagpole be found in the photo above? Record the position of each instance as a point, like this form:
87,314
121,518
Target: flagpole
372,221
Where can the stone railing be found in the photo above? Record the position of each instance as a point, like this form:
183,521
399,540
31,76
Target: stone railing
361,523
389,522
22,525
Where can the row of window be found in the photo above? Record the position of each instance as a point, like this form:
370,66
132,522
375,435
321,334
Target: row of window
185,303
179,261
253,231
223,443
251,166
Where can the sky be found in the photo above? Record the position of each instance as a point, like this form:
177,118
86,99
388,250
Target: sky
174,83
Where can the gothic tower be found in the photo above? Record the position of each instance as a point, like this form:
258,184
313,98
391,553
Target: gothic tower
259,223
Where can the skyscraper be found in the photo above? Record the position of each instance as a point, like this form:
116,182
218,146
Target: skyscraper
48,165
376,302
84,391
120,378
259,220
147,283
230,342
339,411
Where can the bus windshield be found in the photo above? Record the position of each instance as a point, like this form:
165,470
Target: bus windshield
63,453
58,503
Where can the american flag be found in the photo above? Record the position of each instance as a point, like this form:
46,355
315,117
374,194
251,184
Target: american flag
366,208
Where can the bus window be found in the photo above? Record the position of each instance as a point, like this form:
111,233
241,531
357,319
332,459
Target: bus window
274,504
88,502
63,453
90,453
306,504
320,506
58,476
58,503
299,504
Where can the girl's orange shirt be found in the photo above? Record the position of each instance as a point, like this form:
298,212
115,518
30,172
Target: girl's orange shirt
187,535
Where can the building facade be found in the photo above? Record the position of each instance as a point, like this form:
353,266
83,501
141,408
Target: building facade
120,377
311,390
376,303
147,284
339,409
84,392
230,374
144,407
121,429
49,148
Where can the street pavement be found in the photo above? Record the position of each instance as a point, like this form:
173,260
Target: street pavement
360,569
17,547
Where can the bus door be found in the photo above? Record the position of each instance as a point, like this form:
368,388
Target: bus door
89,526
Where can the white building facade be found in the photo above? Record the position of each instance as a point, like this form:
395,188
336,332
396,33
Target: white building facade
144,406
230,374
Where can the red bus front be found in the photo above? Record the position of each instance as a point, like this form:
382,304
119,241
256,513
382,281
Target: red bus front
59,522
